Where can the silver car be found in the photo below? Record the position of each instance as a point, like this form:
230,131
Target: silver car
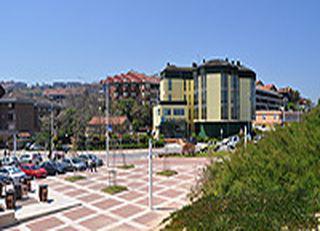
13,173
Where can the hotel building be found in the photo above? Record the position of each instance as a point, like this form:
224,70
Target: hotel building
214,99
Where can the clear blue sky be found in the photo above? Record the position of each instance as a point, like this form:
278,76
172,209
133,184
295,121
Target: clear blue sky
47,40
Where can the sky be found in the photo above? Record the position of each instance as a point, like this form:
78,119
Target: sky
86,40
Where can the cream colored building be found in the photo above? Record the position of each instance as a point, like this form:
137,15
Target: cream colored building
174,114
218,98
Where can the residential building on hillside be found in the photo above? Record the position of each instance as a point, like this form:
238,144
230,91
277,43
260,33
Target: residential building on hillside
267,97
173,116
2,91
117,124
18,116
214,99
135,85
60,94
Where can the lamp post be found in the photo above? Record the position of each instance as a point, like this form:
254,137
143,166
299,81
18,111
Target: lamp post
107,119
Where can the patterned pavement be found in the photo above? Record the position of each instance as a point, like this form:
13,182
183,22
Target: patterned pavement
127,210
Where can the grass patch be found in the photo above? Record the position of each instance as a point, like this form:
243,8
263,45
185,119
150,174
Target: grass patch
167,173
114,189
74,178
127,166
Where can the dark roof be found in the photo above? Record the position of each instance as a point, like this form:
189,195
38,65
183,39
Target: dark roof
172,71
16,100
2,91
217,65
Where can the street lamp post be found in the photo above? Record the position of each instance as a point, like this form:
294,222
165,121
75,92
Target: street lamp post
52,132
107,120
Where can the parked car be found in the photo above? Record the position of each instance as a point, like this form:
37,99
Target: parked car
52,168
91,158
34,158
76,163
13,173
33,170
10,160
4,180
67,167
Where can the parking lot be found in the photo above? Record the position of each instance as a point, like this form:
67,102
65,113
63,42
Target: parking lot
127,210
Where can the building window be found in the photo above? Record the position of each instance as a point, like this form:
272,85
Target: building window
275,116
184,85
224,96
178,111
166,111
159,112
170,85
264,117
170,97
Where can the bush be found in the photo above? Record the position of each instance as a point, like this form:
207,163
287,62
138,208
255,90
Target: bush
269,186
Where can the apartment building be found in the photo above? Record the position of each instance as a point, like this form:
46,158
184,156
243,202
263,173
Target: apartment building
214,99
135,85
267,97
2,91
224,98
173,116
18,115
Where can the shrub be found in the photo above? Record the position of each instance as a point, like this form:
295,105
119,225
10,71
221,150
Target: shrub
269,186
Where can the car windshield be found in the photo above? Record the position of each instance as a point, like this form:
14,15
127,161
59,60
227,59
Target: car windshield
76,160
34,167
92,157
13,170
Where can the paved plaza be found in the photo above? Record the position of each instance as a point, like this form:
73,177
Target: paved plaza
127,210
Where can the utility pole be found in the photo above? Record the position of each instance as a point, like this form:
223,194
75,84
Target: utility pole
107,119
52,132
245,136
14,143
150,174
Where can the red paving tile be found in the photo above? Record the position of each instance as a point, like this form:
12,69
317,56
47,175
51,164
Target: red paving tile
125,227
98,186
45,224
131,195
75,192
98,222
64,188
155,188
106,204
68,228
148,218
171,193
78,213
156,201
90,198
127,210
135,184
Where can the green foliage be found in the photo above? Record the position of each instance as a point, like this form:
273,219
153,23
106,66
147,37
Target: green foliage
270,186
75,178
114,189
127,166
167,173
139,115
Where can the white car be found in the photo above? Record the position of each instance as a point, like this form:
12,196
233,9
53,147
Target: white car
13,173
34,158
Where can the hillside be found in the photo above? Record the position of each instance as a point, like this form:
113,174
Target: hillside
269,186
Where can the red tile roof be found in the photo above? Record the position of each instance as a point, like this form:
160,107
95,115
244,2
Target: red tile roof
63,91
132,77
268,87
114,120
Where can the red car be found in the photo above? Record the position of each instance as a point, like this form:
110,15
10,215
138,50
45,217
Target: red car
33,170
